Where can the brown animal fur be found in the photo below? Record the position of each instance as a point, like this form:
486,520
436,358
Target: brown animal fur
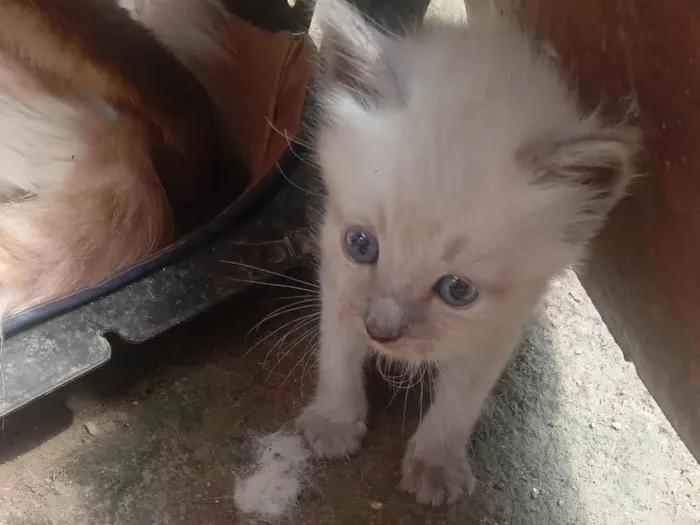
79,196
94,46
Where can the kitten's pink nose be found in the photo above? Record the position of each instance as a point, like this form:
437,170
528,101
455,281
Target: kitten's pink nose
385,321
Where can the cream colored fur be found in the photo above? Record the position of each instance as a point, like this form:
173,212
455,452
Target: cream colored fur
464,152
79,198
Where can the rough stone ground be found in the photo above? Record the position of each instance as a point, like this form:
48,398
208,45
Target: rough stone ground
153,438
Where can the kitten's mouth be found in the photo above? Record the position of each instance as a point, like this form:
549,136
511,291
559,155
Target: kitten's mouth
397,350
383,349
388,348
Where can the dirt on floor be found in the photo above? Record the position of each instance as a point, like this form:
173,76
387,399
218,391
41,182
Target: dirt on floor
157,435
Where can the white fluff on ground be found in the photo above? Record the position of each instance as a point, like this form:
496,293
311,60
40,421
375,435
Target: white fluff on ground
271,485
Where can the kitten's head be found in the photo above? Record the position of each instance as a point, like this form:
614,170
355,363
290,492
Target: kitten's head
460,177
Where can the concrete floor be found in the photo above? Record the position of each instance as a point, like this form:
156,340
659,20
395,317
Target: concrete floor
157,435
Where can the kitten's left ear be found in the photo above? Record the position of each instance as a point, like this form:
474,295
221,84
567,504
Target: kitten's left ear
354,54
599,162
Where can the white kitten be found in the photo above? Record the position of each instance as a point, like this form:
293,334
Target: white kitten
460,178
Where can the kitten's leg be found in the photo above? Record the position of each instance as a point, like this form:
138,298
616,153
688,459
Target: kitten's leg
436,467
335,421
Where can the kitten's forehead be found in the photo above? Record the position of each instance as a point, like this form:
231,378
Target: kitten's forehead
406,183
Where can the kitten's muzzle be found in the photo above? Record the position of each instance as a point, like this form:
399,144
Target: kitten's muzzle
385,320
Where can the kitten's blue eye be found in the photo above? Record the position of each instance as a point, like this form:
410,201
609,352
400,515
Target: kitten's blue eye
361,246
456,291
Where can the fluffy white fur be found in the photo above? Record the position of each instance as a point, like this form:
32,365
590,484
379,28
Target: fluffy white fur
463,150
79,198
269,490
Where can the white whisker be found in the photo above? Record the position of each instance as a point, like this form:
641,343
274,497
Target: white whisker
311,318
312,286
309,333
291,346
313,332
286,137
279,328
403,417
313,346
297,186
3,388
310,295
272,285
420,404
298,305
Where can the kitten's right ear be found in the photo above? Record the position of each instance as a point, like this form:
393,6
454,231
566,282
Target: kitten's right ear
353,54
599,161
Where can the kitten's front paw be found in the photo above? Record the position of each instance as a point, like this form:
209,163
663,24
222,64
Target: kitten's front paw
437,483
329,438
